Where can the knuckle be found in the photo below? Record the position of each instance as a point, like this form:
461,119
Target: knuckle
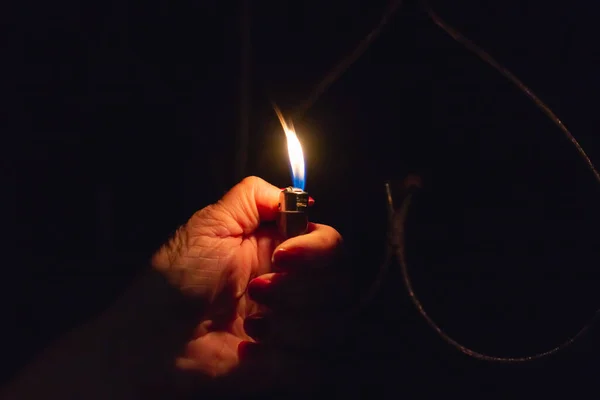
212,220
250,181
334,238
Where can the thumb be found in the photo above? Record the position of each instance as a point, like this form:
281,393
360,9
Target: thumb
251,202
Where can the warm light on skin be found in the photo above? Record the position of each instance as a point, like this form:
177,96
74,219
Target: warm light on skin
294,151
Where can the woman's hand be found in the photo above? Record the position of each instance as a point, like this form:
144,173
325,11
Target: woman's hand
129,351
223,248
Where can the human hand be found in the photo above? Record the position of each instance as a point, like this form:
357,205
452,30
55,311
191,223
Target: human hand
218,252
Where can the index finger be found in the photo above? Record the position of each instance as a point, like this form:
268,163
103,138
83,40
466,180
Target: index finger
318,247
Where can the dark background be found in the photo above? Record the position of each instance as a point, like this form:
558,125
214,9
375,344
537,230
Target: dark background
120,120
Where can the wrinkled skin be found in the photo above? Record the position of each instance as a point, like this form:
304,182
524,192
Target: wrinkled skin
214,257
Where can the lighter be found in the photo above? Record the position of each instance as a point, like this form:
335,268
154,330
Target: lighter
292,219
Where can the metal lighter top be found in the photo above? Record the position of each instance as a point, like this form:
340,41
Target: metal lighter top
292,219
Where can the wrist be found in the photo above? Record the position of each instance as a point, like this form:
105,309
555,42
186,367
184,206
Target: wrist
127,352
153,321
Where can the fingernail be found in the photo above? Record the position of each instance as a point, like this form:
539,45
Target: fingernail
258,289
257,328
247,349
283,256
279,254
259,283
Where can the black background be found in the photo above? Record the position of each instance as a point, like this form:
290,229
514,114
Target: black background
120,120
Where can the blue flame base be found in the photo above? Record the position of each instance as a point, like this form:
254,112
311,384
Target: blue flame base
297,182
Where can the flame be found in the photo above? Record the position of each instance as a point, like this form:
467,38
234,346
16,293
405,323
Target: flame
294,151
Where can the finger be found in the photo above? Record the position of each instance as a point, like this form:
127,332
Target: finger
267,240
237,382
317,248
251,201
269,369
262,370
311,291
213,355
257,327
293,332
